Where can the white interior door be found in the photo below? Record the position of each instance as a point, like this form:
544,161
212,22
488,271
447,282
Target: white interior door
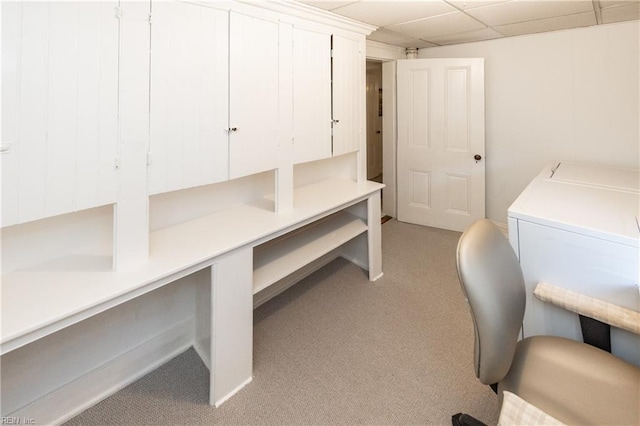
441,142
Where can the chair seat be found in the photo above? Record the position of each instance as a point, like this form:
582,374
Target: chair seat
574,382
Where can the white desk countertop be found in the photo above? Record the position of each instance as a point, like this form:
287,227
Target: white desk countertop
42,300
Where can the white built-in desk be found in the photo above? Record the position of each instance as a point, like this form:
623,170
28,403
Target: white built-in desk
247,248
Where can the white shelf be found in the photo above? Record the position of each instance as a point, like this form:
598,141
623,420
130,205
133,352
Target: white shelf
42,300
278,258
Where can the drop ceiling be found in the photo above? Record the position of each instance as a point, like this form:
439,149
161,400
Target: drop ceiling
428,23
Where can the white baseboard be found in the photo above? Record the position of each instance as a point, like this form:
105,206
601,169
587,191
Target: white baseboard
233,392
86,391
202,353
355,261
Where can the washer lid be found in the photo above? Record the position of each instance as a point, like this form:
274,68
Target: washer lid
600,176
602,207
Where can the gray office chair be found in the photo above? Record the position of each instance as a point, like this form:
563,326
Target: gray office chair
571,381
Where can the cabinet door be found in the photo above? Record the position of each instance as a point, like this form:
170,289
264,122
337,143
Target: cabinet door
348,68
59,108
253,98
189,96
311,95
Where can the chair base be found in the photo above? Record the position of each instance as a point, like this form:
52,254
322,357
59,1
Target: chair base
462,419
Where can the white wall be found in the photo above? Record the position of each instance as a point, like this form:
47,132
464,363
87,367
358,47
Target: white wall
566,95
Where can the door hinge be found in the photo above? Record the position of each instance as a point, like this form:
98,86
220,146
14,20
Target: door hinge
116,163
332,53
150,19
118,12
149,159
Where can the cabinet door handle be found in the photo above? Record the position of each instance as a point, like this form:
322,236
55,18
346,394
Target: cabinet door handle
232,129
335,121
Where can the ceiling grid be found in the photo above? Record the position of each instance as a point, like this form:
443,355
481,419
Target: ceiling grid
428,23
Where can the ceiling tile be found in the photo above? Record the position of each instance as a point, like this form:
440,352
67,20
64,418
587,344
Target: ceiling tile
466,37
450,23
383,35
626,12
515,11
611,3
425,23
327,4
472,4
421,44
384,13
550,24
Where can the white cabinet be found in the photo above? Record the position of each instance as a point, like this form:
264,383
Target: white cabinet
106,103
328,94
214,96
575,226
188,96
213,91
59,108
311,95
253,98
348,79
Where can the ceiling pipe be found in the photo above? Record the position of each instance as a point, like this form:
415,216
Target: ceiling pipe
412,52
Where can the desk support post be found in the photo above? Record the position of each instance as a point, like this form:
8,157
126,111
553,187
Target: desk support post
231,363
374,236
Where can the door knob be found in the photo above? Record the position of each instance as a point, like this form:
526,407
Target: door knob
477,157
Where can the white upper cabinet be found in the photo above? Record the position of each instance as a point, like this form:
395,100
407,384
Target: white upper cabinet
348,94
188,96
311,95
170,94
253,95
59,108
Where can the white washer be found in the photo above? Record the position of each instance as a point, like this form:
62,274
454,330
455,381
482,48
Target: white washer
576,226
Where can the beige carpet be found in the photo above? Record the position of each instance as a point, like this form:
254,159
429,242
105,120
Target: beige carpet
336,349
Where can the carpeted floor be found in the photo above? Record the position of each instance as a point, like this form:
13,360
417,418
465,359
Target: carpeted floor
336,349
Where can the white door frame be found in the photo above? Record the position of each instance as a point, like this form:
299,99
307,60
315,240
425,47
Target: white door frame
388,54
389,139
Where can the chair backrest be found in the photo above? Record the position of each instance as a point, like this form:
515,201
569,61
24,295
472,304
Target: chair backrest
492,282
